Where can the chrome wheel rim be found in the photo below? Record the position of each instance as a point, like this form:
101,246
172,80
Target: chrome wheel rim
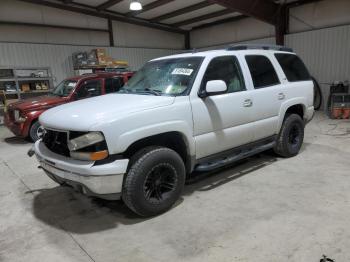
40,132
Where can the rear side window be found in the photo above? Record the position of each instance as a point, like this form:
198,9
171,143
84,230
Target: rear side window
262,71
293,67
113,84
90,88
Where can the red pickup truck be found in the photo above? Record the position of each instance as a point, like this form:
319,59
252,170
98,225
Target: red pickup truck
22,117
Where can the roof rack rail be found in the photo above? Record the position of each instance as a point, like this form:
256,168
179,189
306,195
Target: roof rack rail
257,46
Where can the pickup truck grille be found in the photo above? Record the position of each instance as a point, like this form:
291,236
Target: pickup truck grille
56,141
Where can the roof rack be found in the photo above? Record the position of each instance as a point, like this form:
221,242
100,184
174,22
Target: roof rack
257,46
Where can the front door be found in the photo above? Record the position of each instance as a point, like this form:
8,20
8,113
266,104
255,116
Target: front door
222,121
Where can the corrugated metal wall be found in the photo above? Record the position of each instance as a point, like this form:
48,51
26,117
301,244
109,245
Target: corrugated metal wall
58,57
326,52
269,41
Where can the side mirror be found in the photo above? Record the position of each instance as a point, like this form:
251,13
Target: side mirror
215,87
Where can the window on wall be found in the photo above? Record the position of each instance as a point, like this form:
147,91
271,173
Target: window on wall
293,67
262,71
226,68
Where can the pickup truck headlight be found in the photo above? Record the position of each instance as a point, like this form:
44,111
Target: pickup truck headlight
90,146
18,116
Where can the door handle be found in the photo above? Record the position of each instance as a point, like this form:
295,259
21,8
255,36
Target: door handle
281,96
247,103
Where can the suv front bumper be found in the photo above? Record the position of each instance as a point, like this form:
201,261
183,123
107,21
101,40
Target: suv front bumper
104,181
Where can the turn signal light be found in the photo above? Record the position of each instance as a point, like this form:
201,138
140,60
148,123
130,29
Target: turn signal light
92,156
98,155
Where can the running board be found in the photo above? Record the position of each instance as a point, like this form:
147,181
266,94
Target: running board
204,167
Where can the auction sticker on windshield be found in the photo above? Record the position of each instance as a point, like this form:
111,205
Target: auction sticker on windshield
182,71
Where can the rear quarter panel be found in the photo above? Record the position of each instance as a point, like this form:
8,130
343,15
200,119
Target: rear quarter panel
296,93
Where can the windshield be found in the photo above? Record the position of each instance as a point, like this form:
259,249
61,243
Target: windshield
65,88
164,77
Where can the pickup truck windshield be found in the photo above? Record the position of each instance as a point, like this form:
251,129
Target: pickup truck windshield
64,88
164,77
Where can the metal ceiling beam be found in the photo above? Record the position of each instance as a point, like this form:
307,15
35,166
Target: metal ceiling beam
203,17
282,24
110,32
182,11
263,10
53,26
301,2
221,21
150,6
108,4
106,14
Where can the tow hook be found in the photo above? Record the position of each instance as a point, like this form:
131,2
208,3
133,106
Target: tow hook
31,152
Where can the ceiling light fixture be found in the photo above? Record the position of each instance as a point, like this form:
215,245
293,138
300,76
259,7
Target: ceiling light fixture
135,6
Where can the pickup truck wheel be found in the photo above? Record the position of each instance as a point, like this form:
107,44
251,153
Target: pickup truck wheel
36,131
290,137
154,182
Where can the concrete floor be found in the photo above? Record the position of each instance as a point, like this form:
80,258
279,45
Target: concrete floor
263,209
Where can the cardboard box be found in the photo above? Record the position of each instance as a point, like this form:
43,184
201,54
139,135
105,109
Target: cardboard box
102,60
25,87
120,63
100,52
109,61
82,72
79,59
44,86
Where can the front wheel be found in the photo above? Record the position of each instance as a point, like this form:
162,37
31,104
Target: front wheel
36,131
154,182
291,136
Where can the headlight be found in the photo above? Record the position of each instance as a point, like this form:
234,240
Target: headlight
18,117
90,146
85,140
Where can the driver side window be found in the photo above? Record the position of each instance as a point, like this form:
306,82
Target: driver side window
90,88
225,68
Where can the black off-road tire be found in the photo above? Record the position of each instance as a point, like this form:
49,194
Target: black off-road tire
144,168
291,136
33,131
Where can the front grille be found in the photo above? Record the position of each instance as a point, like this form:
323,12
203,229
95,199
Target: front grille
56,142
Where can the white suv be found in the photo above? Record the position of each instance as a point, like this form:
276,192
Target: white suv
178,114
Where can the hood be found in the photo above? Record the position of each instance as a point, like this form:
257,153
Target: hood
37,103
82,115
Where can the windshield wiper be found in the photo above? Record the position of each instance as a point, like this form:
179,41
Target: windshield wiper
123,90
153,91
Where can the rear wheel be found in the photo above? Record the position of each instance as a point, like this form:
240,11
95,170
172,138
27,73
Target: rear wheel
154,182
291,136
36,131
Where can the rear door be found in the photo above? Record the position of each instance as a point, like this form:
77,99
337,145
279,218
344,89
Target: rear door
268,93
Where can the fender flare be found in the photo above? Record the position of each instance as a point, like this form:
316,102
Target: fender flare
128,138
286,105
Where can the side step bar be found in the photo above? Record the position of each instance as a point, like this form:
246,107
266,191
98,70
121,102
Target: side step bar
204,167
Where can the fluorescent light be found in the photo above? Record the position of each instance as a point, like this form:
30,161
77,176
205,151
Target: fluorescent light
135,6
